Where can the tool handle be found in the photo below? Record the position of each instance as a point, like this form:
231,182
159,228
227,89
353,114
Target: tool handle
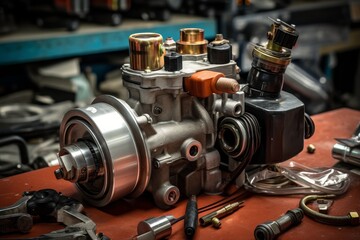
191,217
16,222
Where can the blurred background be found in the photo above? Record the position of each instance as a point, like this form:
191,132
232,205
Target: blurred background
59,54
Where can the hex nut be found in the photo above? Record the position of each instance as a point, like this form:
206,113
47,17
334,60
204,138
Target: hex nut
274,227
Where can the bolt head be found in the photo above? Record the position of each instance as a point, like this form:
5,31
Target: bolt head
59,173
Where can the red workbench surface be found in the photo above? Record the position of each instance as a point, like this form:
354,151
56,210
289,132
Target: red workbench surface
119,219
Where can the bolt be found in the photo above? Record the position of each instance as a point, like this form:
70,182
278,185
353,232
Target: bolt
148,70
59,173
157,164
311,148
219,37
157,110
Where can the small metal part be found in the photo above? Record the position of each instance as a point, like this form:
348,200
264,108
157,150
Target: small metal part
146,51
173,62
354,218
157,110
219,50
155,228
323,205
169,44
271,230
216,222
84,158
191,217
222,212
191,41
311,148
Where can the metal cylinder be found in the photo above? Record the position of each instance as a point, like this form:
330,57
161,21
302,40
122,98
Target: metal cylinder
146,51
191,41
158,228
346,154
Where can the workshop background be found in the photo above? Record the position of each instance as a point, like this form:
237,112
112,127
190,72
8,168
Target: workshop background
56,55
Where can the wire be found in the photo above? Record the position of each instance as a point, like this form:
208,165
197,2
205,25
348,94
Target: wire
234,197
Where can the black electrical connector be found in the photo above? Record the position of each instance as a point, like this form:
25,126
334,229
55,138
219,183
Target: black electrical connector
271,230
191,217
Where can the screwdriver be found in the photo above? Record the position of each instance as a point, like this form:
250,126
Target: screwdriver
191,217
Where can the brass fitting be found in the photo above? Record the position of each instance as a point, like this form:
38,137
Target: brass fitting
214,217
216,222
146,51
354,218
311,148
191,41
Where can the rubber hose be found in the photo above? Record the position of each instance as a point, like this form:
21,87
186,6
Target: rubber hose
323,218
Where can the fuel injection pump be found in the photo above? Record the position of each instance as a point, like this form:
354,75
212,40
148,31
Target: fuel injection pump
187,126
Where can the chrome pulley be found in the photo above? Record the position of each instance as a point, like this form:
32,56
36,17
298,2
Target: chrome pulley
103,151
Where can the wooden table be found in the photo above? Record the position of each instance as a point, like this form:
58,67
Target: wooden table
119,219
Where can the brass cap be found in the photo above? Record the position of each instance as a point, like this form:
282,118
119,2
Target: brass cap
146,51
191,41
